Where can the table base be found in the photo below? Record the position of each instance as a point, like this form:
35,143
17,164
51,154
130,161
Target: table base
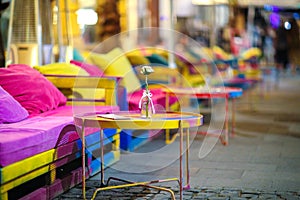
134,184
170,138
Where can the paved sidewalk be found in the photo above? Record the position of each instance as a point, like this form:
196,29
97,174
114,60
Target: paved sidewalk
262,161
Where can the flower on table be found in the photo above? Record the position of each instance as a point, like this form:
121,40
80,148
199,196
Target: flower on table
146,98
146,70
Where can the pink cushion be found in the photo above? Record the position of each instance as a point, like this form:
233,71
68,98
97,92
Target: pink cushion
158,98
75,110
91,69
10,109
29,137
31,89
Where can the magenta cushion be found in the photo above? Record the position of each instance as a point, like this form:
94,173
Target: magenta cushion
10,110
40,133
31,89
91,69
158,98
29,137
68,110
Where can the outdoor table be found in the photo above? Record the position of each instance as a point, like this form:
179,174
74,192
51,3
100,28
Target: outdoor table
214,92
133,120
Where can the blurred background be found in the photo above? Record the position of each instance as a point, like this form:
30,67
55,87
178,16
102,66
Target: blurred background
54,29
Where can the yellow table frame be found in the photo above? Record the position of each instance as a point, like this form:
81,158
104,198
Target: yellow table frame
157,121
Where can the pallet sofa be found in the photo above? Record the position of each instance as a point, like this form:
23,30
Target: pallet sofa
129,139
40,150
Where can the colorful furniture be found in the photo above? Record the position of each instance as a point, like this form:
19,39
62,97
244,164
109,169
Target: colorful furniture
115,63
211,93
40,155
132,120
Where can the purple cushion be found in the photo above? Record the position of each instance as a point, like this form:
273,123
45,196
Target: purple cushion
29,137
91,69
31,89
10,110
46,131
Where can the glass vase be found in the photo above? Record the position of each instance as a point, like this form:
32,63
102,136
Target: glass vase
146,109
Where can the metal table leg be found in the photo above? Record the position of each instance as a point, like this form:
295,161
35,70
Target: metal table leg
225,141
83,160
180,164
187,186
104,186
233,118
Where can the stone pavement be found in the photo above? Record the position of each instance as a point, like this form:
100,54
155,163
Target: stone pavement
262,160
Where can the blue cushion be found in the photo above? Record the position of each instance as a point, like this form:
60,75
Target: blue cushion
157,59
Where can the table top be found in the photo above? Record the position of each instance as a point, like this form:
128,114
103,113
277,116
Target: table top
133,120
213,92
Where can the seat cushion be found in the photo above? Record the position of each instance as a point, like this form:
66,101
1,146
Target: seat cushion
157,59
31,136
137,58
31,89
158,99
72,70
89,68
77,55
115,63
10,109
37,134
61,69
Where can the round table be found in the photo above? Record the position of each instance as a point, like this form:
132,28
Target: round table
133,120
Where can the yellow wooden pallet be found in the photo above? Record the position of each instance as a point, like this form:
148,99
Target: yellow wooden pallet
46,163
